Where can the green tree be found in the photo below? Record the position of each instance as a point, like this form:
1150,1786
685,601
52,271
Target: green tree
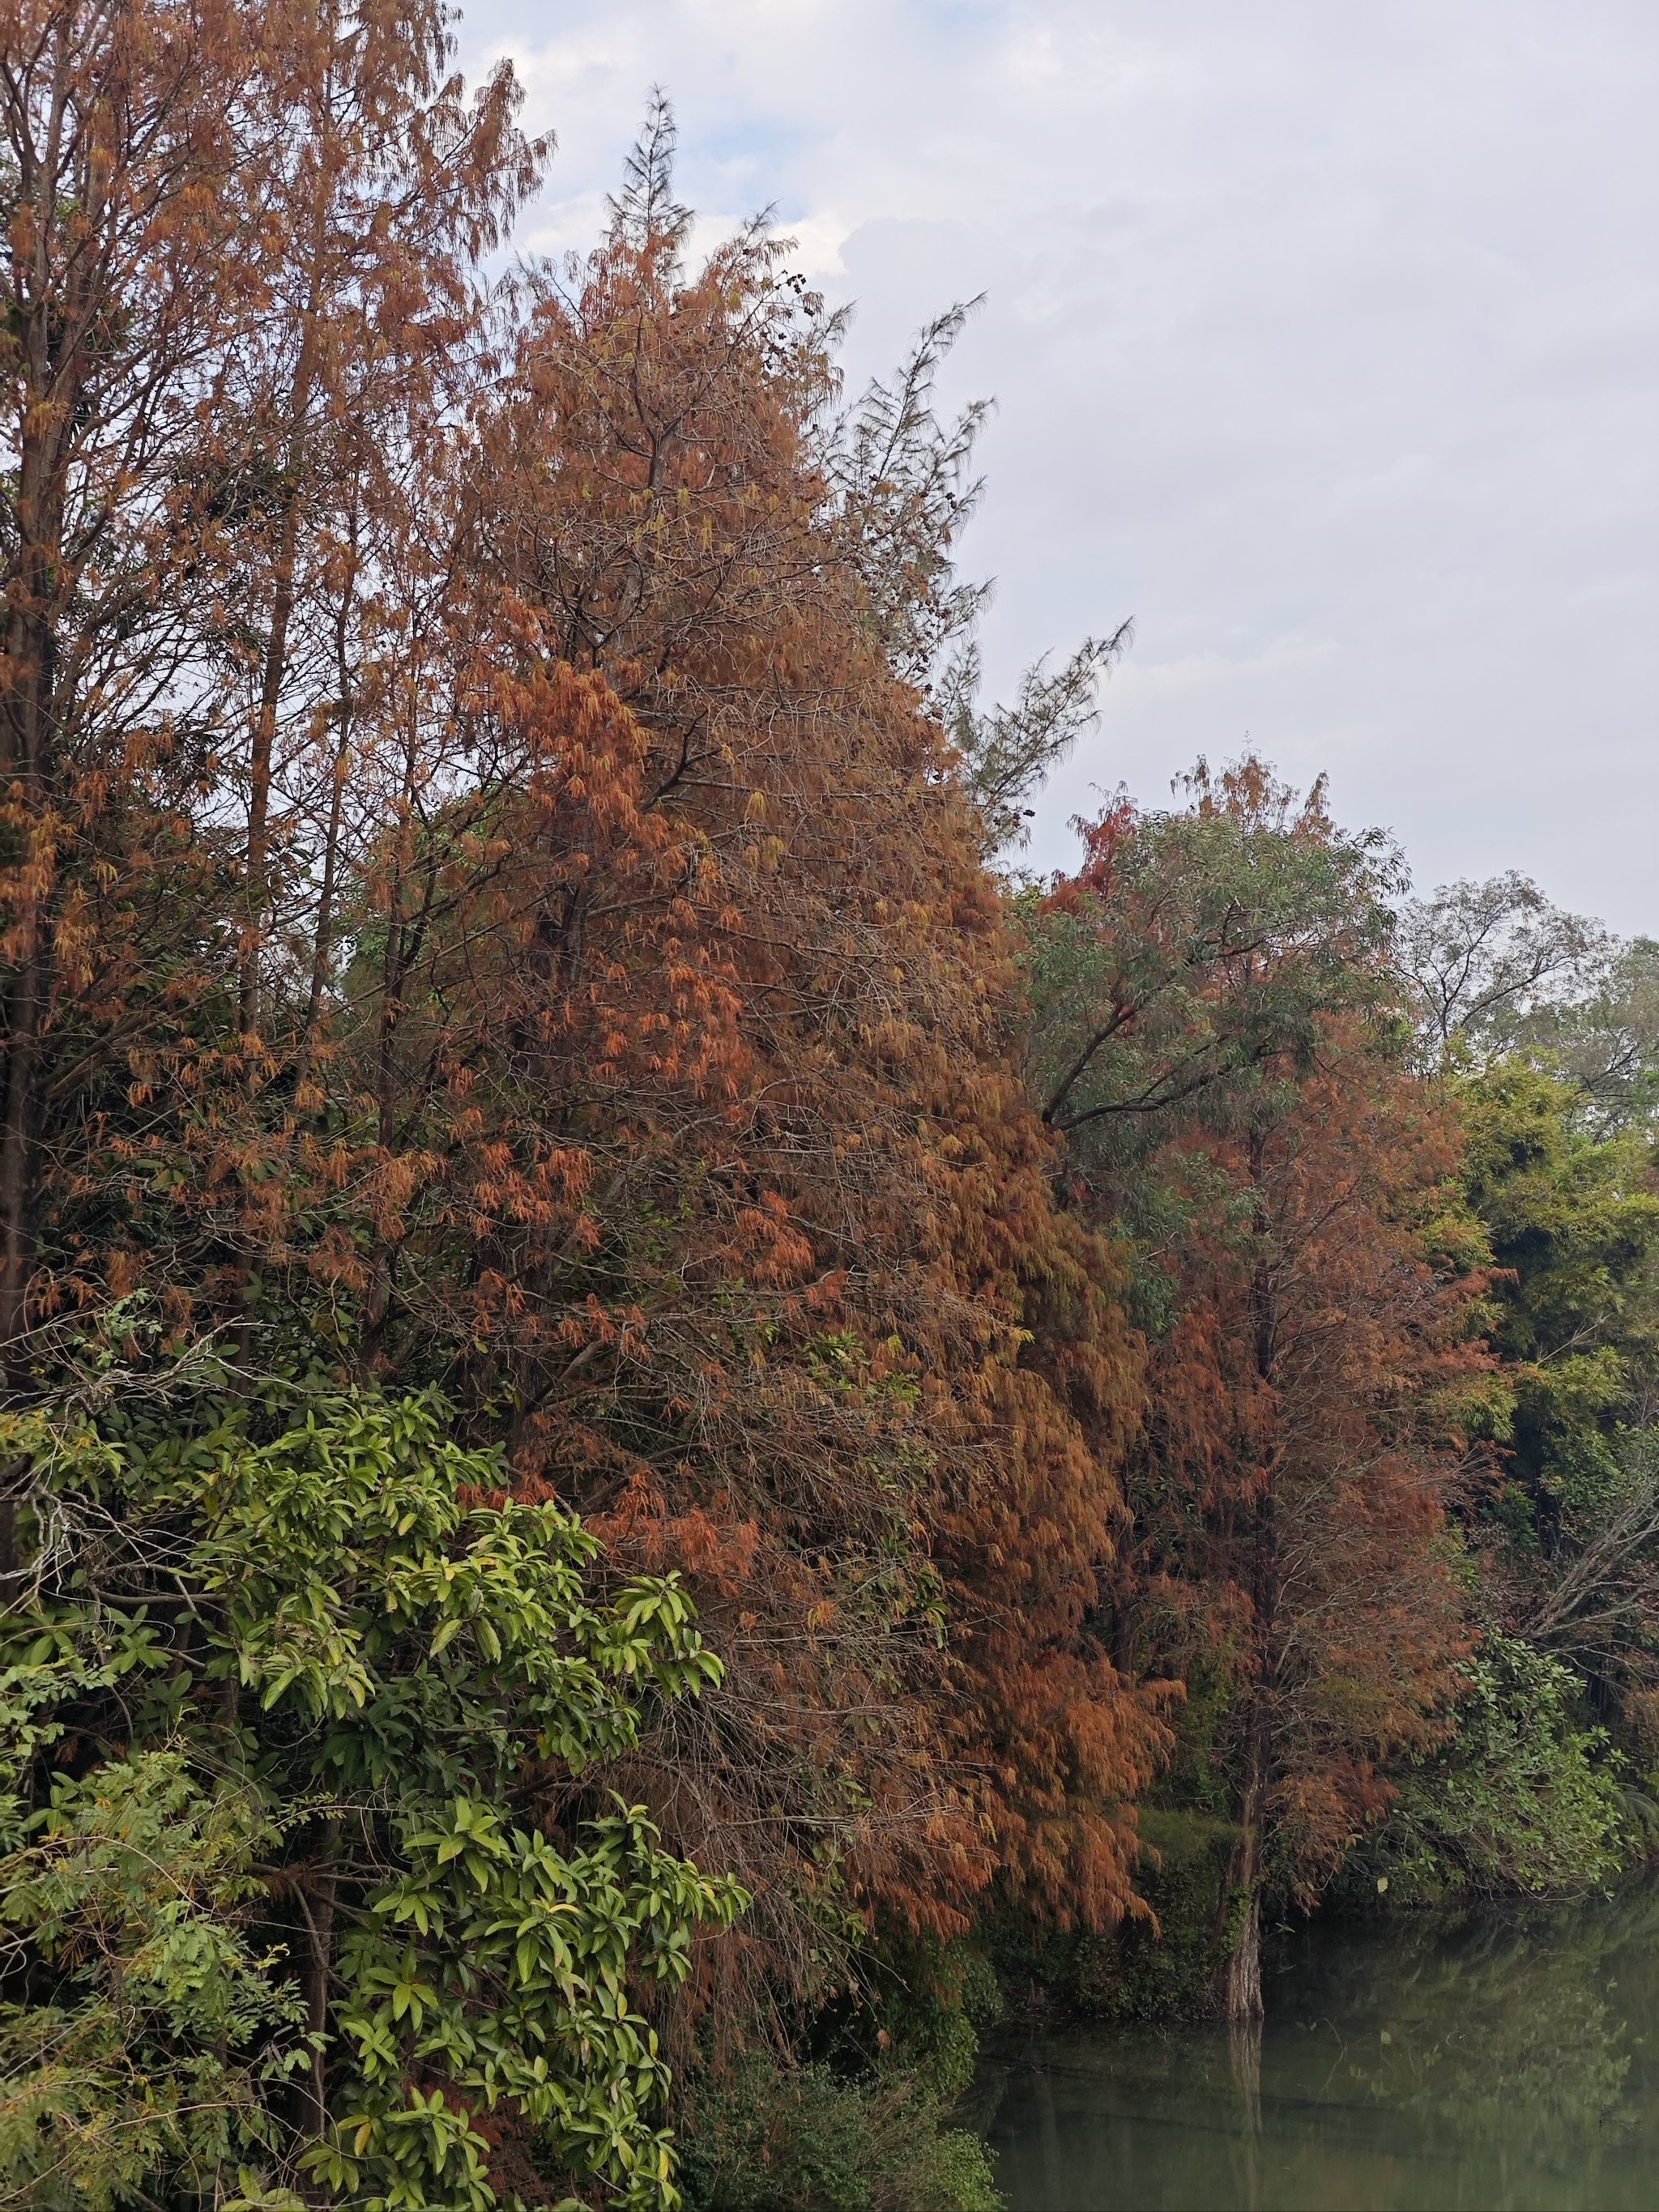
1568,1197
1218,1034
303,1874
1572,1216
1524,1799
1182,975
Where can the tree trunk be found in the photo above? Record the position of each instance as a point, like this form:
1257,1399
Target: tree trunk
28,768
323,943
1242,1973
17,1151
312,2088
283,599
1241,1992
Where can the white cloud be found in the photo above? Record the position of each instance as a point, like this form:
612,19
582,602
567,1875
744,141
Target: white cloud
1326,341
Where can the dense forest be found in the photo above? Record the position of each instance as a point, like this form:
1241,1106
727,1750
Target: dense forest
670,1434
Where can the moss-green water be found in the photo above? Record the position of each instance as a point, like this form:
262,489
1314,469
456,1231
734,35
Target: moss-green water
1497,2062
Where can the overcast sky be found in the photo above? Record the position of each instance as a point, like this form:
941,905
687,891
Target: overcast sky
1325,341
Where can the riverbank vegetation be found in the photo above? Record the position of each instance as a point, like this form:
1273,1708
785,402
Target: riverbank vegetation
668,1434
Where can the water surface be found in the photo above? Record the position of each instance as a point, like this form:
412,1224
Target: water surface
1500,2061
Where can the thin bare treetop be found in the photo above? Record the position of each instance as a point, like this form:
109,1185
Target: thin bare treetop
645,212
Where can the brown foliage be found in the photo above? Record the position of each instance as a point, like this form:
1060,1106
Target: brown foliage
1298,1462
481,903
1291,1547
550,951
754,1204
243,295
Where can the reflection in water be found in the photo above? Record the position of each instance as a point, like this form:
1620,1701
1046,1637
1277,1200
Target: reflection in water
1501,2062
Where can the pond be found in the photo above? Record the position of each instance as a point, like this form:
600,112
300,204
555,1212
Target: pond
1499,2061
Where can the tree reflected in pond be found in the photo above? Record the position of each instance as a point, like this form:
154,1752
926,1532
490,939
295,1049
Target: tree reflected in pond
1493,2059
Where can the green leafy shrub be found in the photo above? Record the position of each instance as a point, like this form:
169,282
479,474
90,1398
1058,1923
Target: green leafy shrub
284,1714
1526,1797
776,2138
157,2040
870,2125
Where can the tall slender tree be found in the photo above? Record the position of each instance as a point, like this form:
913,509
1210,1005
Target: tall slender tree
1218,1031
135,224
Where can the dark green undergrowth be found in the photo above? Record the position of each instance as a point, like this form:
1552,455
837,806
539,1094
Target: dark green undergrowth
804,2139
1147,1969
1530,1799
869,2122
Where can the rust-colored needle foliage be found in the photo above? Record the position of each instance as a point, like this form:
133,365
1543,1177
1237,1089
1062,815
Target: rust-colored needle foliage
489,900
534,940
1214,1001
742,1206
